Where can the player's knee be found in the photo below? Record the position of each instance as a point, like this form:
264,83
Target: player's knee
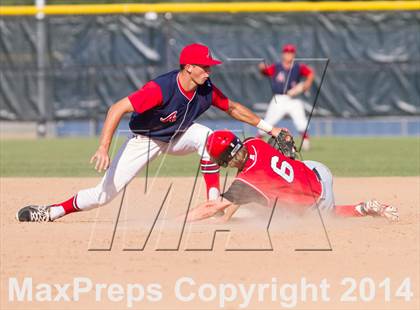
203,135
103,198
104,195
206,132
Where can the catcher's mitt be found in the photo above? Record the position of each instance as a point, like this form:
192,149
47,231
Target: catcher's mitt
284,143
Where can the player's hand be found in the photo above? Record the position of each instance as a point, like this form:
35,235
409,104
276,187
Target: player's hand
229,211
295,91
101,159
262,66
276,131
206,210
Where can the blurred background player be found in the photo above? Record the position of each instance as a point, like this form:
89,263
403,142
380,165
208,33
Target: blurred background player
163,118
268,177
288,79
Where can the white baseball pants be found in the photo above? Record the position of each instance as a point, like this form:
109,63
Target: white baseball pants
280,105
133,156
327,197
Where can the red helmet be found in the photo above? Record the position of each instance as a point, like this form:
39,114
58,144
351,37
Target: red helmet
222,146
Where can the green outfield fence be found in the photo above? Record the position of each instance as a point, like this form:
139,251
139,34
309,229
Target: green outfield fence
67,61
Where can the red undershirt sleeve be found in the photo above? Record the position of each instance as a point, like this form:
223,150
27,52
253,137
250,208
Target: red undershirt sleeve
270,70
219,99
146,98
304,70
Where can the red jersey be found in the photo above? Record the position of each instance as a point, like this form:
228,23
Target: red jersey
277,177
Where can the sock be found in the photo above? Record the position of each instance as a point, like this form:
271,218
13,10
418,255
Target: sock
60,209
349,210
210,172
304,135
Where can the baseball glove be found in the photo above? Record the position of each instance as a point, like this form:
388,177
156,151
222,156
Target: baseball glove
284,143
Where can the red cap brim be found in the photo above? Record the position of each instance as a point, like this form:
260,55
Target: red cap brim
212,62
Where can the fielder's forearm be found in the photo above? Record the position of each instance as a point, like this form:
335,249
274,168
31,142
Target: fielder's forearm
243,114
113,118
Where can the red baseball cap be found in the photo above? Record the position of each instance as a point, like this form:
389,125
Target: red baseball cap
289,48
197,54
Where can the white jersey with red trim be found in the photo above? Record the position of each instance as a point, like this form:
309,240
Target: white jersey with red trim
278,177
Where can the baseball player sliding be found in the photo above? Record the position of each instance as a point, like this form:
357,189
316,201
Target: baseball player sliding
285,78
162,120
271,177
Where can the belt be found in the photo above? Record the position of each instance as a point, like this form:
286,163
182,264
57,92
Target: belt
322,195
318,176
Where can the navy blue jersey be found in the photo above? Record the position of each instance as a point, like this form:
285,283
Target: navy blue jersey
176,113
282,76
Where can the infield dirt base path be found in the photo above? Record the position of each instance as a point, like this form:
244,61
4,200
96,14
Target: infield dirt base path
58,253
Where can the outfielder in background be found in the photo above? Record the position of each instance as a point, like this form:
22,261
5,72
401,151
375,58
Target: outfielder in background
269,177
286,83
162,120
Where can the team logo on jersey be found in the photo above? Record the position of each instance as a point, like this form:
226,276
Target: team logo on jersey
280,77
170,118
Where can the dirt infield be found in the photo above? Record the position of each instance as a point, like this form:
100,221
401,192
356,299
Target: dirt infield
368,250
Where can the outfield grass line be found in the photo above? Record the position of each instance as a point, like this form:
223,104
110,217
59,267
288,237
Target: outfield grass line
347,157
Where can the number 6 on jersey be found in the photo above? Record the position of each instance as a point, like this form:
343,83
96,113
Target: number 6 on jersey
285,170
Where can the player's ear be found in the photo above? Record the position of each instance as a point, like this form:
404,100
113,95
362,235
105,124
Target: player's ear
188,68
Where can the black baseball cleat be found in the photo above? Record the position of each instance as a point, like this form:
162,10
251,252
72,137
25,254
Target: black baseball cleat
34,214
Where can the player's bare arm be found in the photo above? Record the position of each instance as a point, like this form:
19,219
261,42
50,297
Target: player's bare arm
210,208
302,86
243,114
229,211
113,118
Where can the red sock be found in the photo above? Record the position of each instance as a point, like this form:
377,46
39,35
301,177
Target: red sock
69,206
210,172
305,135
348,211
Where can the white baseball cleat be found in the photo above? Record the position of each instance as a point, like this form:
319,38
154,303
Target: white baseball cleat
375,208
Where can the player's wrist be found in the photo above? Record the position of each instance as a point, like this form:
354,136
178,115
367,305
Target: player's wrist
103,147
264,126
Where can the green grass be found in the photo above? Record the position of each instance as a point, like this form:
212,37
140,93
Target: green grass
368,156
344,156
